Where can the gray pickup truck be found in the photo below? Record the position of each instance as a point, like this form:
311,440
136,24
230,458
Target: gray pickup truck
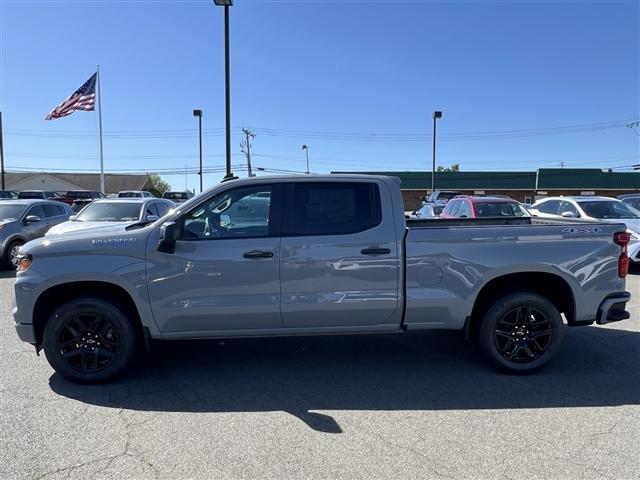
315,255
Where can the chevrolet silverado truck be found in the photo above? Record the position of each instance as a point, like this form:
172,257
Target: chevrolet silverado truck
310,255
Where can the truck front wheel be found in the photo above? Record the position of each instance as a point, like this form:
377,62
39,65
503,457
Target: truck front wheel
89,340
521,332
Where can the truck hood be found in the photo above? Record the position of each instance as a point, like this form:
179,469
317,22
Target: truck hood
91,242
93,227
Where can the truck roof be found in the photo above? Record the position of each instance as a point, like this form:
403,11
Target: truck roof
313,177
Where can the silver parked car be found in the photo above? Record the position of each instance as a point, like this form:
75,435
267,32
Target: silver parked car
135,194
114,214
600,209
25,220
178,197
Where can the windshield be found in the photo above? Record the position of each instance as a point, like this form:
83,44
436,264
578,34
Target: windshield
608,209
500,209
129,195
446,196
10,211
110,212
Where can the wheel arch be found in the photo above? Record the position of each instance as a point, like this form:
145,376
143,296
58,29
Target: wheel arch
56,296
551,286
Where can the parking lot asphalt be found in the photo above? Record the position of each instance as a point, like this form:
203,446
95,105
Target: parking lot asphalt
392,406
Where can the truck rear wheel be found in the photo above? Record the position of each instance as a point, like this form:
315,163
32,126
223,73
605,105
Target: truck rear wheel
89,340
521,332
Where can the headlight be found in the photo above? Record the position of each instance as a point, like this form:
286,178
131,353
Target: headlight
24,262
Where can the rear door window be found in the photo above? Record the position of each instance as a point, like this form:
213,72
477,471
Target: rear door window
334,208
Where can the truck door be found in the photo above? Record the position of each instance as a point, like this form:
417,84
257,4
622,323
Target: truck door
340,258
224,273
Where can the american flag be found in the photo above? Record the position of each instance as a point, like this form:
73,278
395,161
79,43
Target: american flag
82,99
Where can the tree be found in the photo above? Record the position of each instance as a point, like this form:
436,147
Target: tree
453,168
158,185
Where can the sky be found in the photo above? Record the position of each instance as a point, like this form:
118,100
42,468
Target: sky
522,85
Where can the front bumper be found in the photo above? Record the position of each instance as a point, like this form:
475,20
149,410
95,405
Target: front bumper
612,308
26,332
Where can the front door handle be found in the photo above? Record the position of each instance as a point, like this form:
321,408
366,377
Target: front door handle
257,254
375,251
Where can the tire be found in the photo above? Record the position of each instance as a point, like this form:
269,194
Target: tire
10,254
89,340
521,332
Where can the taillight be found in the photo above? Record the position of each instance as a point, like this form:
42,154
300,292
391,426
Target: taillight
622,239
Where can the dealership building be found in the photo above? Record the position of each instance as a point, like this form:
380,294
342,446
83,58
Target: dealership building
525,186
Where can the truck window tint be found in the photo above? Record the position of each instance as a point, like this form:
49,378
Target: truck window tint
242,212
334,208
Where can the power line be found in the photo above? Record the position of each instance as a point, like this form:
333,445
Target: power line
339,136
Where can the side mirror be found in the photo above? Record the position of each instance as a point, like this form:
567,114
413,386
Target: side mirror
152,218
72,217
32,219
568,214
168,237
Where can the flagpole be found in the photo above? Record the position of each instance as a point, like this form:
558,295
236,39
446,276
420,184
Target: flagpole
100,128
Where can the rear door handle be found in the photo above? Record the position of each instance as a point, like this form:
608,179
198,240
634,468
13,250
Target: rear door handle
257,254
375,251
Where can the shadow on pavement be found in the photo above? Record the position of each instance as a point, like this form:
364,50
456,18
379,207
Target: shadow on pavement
435,371
7,273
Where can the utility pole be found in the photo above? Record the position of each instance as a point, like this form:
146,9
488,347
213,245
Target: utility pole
436,115
198,113
306,150
246,148
1,152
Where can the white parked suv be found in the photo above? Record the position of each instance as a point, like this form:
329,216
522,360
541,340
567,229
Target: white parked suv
602,209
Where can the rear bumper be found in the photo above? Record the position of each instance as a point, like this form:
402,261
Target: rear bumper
612,308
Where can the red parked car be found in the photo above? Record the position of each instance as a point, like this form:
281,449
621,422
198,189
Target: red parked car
478,207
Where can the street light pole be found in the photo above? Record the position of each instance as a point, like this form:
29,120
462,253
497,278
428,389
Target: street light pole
198,113
436,115
306,150
227,82
2,152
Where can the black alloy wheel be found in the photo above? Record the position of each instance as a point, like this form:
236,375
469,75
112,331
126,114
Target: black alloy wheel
89,340
521,332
